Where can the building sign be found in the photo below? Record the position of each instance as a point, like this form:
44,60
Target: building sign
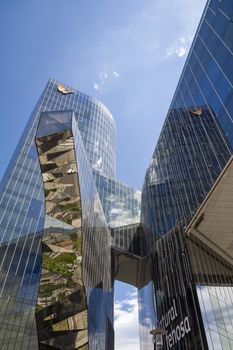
176,334
197,111
61,88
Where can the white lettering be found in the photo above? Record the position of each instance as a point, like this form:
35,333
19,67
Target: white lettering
167,341
173,336
170,340
174,304
186,325
182,329
169,316
178,333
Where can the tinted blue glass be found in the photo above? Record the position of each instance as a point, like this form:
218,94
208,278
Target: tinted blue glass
193,148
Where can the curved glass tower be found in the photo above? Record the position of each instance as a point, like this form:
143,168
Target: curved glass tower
23,222
69,228
56,272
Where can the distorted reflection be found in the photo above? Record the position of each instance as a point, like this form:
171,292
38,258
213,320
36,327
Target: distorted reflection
121,203
61,310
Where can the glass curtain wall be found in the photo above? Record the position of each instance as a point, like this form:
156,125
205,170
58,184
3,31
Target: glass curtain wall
22,208
193,301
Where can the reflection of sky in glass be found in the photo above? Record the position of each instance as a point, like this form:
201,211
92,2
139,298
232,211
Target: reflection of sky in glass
216,304
121,203
147,316
22,212
190,154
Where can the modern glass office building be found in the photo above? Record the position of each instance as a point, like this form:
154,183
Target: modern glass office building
59,198
187,197
69,228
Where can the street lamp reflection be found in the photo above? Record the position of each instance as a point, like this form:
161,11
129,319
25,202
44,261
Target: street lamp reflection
158,337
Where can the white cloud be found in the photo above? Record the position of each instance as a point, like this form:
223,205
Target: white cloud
180,47
178,51
98,164
121,216
126,323
163,28
116,74
96,86
103,77
181,51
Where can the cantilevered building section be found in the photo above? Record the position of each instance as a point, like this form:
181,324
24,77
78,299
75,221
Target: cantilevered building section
187,198
69,228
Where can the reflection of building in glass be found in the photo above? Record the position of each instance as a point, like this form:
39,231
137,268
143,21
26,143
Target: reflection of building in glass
68,228
59,197
187,198
190,154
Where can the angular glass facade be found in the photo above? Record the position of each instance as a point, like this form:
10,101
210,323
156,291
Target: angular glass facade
76,221
192,276
69,228
57,203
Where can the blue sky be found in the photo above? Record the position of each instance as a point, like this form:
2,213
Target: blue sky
127,53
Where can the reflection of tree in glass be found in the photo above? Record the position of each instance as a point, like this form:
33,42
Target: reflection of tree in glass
59,264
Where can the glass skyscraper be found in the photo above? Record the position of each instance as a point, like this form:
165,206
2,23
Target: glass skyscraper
187,198
69,228
59,198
